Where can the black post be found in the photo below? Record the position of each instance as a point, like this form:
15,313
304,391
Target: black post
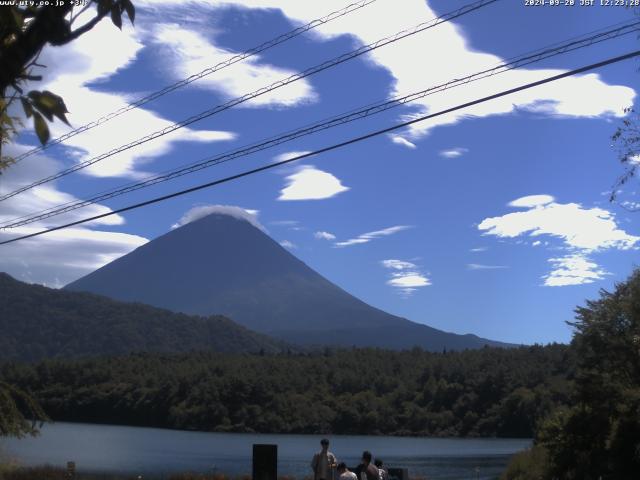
265,462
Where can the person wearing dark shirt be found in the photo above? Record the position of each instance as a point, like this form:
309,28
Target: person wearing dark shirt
367,470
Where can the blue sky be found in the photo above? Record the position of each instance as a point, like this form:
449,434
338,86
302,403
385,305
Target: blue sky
494,220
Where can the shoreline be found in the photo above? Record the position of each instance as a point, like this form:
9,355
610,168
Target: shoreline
399,435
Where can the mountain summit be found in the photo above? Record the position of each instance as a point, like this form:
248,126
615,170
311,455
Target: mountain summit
222,264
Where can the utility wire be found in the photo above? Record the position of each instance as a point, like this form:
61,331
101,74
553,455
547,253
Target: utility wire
369,110
197,76
336,146
257,93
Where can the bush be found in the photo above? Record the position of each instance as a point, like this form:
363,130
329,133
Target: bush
532,464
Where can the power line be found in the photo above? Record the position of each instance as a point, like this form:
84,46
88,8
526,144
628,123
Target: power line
257,93
336,146
197,76
369,110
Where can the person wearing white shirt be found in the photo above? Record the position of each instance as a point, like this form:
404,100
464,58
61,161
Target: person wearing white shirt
345,473
323,462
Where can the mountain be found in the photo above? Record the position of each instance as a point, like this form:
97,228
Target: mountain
226,265
38,322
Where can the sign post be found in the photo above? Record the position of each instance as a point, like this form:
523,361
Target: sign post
265,462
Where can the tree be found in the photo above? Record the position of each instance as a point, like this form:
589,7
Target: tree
627,141
19,412
24,32
599,436
626,138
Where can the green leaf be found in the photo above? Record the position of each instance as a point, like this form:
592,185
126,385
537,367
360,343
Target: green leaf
42,130
49,104
59,108
26,106
116,16
130,9
104,6
18,18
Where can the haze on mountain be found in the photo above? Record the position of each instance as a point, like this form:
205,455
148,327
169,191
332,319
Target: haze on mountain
37,322
225,264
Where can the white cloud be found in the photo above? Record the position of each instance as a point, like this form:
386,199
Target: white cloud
59,257
397,264
288,244
630,205
367,237
289,155
415,65
309,183
75,66
201,211
403,141
405,276
478,266
453,152
409,280
532,201
285,223
479,249
574,269
324,236
582,231
44,196
578,227
191,53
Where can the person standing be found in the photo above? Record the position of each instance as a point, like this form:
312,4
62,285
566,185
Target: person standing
323,462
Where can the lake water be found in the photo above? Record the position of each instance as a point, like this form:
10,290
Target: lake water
153,452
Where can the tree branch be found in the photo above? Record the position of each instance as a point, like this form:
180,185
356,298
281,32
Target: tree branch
85,28
75,17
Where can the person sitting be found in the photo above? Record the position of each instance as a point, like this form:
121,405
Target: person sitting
367,470
323,462
345,473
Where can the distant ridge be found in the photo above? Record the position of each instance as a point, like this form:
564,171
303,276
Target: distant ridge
38,322
221,264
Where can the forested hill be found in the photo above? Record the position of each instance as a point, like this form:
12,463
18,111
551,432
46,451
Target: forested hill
38,322
485,392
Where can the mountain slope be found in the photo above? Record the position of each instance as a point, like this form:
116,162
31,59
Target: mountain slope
38,322
225,265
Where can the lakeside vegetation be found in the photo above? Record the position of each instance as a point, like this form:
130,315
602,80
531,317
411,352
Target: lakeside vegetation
486,392
597,435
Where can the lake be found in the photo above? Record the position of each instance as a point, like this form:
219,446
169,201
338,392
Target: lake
154,452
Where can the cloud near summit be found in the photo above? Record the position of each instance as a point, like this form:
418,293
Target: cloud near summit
201,211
